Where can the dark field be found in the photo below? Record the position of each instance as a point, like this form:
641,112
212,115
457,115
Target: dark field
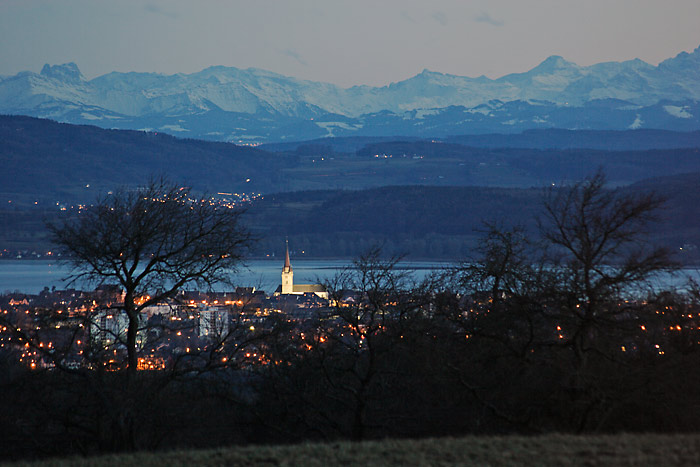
549,450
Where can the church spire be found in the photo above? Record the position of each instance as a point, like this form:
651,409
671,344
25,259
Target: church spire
287,263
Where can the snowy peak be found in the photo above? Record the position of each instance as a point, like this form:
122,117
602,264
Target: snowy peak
251,90
68,73
442,79
256,99
553,64
427,74
683,62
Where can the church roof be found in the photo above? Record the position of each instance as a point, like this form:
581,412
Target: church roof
302,288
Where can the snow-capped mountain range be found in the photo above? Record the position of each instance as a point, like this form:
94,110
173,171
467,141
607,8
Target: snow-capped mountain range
252,105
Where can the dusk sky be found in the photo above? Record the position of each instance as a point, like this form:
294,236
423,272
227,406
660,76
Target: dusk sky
346,43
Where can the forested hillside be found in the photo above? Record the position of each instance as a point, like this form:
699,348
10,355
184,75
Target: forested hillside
421,221
48,162
424,198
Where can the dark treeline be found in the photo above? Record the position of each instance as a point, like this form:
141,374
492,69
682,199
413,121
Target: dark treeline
643,139
419,221
563,332
443,222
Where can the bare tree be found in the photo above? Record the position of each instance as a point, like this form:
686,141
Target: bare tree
600,251
505,281
494,306
601,263
560,310
349,351
152,242
362,327
504,266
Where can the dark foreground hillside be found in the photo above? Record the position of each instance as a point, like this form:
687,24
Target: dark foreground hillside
549,450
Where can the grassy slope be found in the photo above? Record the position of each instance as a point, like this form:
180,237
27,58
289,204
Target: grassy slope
554,450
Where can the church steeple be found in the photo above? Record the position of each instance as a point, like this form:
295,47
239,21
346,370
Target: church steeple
287,274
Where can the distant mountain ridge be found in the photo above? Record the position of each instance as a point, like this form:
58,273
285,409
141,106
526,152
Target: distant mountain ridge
231,104
48,162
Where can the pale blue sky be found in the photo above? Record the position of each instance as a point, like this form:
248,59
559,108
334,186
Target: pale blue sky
343,42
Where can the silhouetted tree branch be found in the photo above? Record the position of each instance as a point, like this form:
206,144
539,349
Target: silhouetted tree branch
152,242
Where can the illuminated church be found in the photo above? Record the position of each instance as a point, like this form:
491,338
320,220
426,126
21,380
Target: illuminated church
288,287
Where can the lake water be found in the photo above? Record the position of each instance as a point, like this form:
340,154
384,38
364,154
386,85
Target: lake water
32,276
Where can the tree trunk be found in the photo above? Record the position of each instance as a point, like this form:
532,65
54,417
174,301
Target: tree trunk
132,331
132,361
